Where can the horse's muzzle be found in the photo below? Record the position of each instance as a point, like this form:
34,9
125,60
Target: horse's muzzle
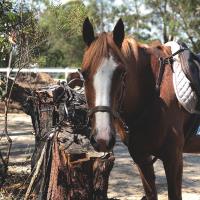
100,144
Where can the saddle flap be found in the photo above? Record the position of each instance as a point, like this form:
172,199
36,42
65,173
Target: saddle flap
190,64
183,78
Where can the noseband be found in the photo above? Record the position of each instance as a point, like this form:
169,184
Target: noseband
108,109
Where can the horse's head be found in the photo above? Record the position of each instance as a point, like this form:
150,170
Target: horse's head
103,70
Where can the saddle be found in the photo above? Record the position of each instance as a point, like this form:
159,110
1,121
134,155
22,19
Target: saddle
190,63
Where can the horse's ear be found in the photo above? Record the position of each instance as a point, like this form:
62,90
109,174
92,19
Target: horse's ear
88,32
118,33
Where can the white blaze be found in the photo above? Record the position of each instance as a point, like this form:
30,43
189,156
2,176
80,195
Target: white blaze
102,87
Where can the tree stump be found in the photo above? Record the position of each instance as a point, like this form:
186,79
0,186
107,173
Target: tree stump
64,164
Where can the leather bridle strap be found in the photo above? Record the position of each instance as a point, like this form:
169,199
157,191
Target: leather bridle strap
103,109
163,62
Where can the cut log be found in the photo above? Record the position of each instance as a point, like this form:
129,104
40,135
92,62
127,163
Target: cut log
68,168
78,175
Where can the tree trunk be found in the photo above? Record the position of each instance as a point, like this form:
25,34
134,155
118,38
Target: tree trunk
64,164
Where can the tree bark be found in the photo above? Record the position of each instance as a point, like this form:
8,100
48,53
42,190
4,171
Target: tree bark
69,168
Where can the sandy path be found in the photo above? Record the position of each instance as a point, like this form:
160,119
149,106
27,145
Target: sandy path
124,182
21,133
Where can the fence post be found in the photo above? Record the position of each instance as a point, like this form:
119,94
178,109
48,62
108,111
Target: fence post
66,73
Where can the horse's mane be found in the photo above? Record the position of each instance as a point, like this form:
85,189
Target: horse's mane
99,49
130,48
157,49
96,51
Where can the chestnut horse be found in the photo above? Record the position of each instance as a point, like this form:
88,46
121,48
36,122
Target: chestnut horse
119,77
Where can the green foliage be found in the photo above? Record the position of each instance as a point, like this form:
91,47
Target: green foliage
54,39
7,21
63,23
148,20
135,20
18,27
176,19
105,13
188,18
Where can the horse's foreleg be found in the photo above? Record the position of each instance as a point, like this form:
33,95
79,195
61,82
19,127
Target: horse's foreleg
148,178
173,165
192,145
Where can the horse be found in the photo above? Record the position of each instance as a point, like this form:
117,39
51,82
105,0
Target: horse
120,76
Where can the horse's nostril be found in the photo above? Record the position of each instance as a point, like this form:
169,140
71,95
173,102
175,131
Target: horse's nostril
102,144
94,143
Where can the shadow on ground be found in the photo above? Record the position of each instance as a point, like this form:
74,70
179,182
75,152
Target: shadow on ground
124,183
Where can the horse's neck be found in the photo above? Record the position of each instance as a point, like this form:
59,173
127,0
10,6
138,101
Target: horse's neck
140,87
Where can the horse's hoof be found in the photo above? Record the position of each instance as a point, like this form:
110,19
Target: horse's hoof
143,198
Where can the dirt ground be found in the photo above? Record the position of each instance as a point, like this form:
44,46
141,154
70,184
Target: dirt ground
124,183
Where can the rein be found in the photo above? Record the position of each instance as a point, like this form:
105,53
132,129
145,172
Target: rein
163,62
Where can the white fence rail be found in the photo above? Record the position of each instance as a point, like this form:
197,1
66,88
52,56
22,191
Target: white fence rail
51,71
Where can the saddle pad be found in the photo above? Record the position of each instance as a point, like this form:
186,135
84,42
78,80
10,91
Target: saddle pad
182,86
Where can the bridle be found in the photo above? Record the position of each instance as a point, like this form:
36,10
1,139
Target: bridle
107,109
162,63
114,113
